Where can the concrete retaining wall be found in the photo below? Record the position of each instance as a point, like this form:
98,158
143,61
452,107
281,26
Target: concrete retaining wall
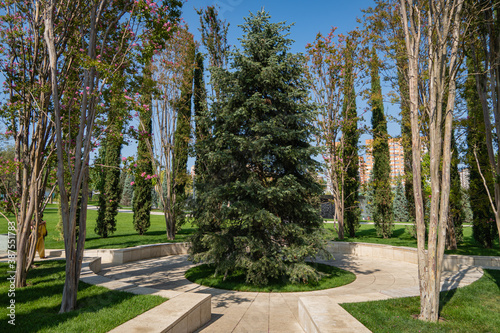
121,256
452,262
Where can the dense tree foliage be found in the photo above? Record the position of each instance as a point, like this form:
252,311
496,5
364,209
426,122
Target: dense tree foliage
258,206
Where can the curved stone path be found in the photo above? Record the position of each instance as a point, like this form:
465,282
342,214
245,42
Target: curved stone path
233,311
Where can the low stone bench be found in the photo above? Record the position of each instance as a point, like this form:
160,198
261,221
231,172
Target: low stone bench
184,314
322,314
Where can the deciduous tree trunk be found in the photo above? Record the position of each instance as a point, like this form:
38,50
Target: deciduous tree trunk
79,177
442,22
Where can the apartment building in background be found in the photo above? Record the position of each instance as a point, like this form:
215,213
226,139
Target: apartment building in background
396,156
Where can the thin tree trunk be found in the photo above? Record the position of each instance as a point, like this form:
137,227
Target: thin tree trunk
442,19
451,238
79,176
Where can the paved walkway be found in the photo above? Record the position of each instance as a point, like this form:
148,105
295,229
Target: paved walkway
232,311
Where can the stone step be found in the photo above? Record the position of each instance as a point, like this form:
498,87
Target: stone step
322,314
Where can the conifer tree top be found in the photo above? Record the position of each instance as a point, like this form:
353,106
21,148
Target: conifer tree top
258,29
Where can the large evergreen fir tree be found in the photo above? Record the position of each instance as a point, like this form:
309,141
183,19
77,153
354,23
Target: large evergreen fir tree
484,229
143,186
258,207
381,181
350,147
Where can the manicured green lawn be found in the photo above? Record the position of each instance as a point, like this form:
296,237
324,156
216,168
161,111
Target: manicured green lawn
124,236
204,275
37,305
402,237
475,308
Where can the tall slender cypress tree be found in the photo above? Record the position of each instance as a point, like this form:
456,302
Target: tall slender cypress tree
484,229
110,188
350,148
402,65
143,185
381,181
183,129
100,180
456,216
200,114
258,207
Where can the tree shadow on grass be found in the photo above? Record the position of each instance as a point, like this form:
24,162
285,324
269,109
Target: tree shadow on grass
399,232
366,233
48,317
451,284
30,316
495,276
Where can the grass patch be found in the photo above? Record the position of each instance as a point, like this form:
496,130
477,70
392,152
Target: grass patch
37,305
474,308
401,237
124,236
204,275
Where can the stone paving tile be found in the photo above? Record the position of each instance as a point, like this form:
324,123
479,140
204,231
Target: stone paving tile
232,311
227,311
256,318
281,316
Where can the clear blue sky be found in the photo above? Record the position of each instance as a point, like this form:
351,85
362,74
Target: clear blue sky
309,18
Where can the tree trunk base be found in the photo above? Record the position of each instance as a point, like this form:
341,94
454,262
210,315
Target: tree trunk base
417,317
